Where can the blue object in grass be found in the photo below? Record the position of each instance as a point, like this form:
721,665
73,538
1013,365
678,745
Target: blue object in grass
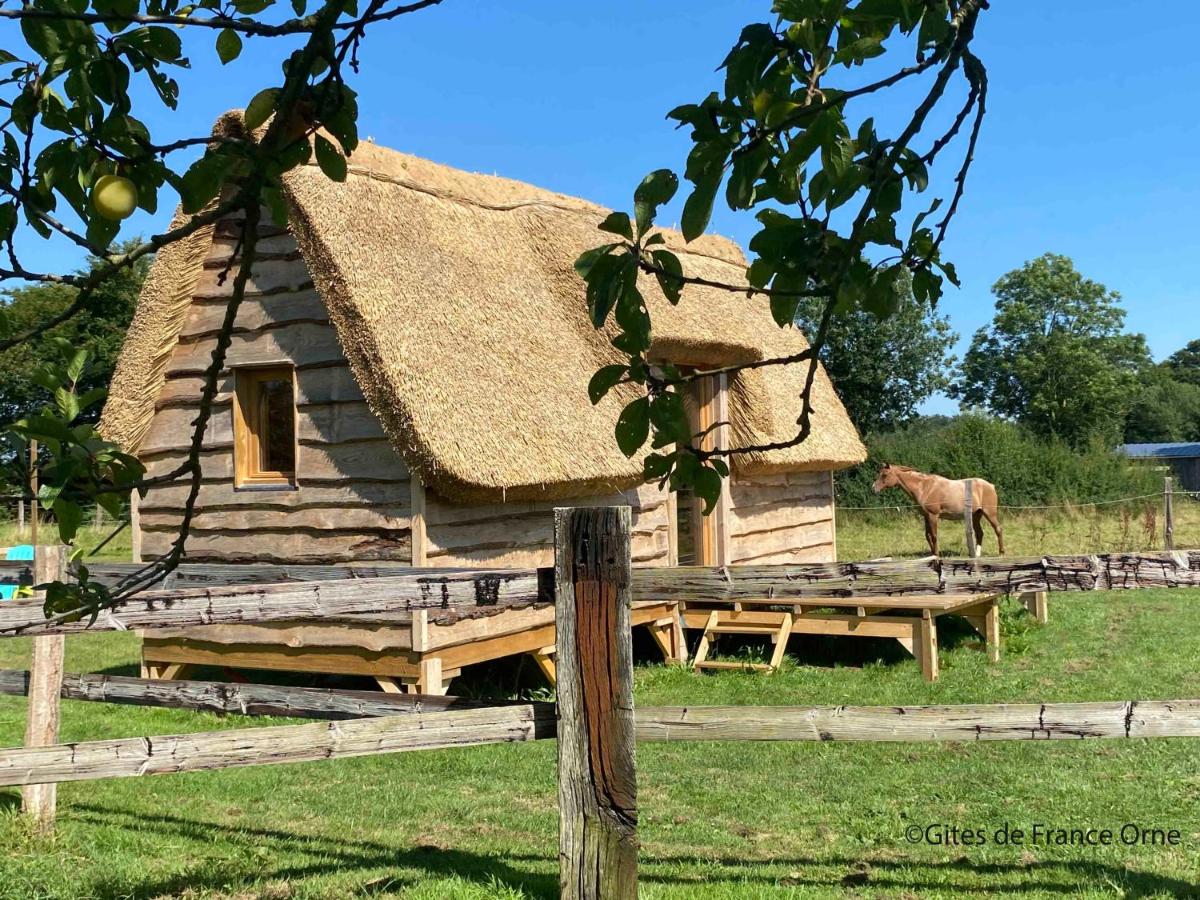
21,552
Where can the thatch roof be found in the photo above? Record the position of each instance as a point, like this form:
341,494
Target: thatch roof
455,300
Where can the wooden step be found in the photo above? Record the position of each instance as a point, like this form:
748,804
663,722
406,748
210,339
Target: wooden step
712,664
763,630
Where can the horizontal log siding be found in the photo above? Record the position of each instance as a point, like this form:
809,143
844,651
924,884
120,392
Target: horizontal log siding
522,534
781,518
353,501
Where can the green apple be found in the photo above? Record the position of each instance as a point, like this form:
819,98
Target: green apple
114,197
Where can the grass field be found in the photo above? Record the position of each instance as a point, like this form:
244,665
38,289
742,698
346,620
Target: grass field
1136,525
88,539
717,820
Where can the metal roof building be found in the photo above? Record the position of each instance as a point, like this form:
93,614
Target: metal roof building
1183,458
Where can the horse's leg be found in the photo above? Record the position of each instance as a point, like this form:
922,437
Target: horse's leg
994,520
977,524
931,528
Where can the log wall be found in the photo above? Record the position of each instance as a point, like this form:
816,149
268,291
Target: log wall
781,518
521,535
354,497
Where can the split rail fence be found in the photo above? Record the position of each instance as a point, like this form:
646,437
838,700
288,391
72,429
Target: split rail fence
592,587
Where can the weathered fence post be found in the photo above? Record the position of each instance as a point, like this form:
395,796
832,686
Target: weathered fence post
1168,513
45,686
597,775
969,516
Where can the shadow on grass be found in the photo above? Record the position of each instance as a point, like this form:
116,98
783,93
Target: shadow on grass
324,856
1059,876
342,855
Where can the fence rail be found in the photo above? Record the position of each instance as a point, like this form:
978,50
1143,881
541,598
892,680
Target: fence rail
455,593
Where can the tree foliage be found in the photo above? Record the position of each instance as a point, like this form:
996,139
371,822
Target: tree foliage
1165,409
1184,363
1056,356
884,368
99,330
828,189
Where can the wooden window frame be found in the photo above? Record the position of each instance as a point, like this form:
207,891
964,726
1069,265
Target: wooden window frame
247,447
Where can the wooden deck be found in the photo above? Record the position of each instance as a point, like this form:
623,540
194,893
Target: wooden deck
911,620
418,655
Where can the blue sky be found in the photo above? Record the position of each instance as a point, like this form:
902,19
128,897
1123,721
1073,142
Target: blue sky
1088,150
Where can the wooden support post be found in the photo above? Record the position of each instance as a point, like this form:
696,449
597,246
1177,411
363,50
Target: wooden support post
544,658
597,775
20,518
419,541
135,527
969,517
1168,513
925,637
1035,602
45,688
991,629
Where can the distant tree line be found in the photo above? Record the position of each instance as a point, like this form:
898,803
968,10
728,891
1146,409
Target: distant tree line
1055,359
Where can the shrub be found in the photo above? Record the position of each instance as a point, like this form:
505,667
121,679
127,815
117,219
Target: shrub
1026,469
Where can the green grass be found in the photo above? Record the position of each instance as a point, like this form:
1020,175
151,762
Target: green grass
118,549
717,820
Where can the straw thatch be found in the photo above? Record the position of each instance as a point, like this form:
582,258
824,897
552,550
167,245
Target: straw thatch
456,303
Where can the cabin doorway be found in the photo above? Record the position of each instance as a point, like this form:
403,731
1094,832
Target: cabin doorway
702,540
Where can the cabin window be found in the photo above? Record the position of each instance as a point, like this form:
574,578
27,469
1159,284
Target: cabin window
265,427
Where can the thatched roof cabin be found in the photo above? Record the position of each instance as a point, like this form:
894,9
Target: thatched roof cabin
407,381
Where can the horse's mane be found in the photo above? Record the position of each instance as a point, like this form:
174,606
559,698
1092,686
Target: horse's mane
900,467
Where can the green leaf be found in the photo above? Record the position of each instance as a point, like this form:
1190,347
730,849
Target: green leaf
604,381
605,280
69,515
934,24
588,258
697,210
618,223
656,189
202,181
783,309
706,484
77,364
163,43
670,280
229,45
670,420
259,109
657,466
332,163
633,426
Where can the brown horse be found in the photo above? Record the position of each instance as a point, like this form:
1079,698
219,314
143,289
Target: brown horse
941,498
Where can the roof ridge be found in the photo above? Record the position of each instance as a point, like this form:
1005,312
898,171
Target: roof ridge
584,206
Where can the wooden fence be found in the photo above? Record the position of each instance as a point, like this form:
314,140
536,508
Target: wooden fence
595,722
